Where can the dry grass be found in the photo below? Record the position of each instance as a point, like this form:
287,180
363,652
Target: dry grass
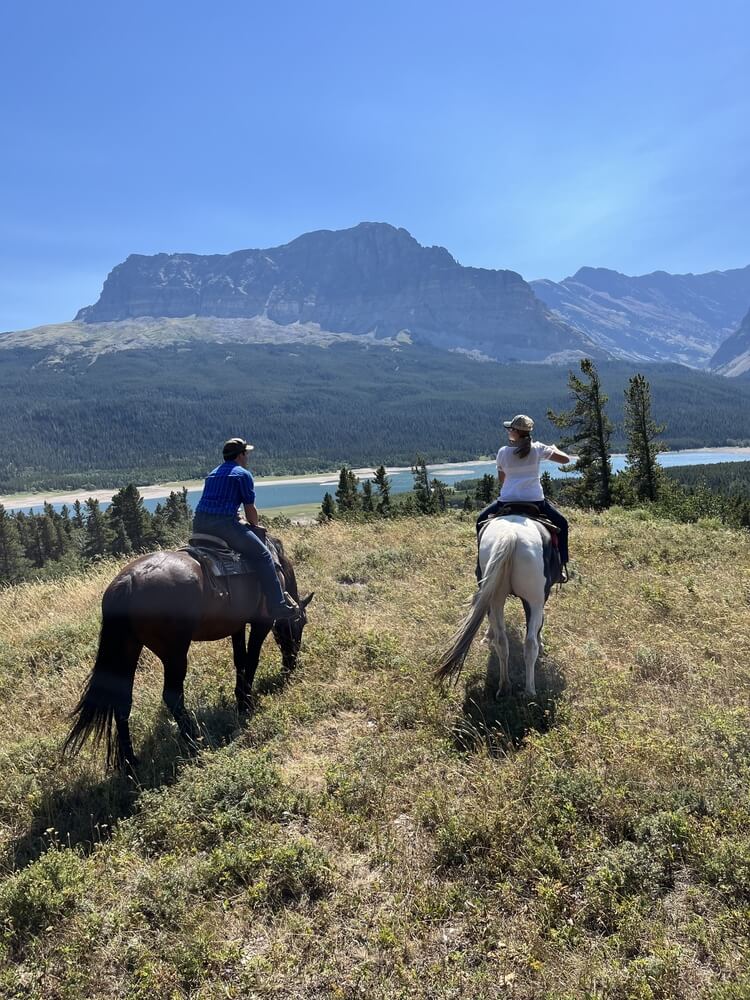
367,835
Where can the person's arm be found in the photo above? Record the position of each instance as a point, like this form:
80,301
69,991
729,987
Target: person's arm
251,513
500,477
560,457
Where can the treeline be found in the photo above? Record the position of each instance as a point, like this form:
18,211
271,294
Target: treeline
52,542
161,415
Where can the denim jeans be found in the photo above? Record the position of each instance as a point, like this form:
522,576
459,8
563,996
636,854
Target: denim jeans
239,536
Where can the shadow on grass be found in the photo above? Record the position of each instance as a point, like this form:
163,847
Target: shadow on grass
502,724
86,812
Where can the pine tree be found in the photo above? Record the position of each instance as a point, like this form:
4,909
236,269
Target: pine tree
590,435
468,503
439,495
548,485
347,496
98,536
644,471
423,499
78,520
120,545
327,508
367,505
13,562
486,490
127,506
383,484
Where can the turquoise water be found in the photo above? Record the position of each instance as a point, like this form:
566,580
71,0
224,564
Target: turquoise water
291,494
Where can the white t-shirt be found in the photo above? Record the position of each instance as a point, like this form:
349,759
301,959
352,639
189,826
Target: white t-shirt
522,474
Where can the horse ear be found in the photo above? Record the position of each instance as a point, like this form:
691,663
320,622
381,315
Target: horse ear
307,599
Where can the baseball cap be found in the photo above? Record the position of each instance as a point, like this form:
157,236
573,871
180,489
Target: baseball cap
520,423
236,446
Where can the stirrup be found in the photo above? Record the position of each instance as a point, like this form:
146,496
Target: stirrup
564,577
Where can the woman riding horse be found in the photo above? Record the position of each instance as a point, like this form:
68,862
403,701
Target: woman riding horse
519,477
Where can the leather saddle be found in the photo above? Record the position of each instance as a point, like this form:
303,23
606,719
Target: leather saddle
220,563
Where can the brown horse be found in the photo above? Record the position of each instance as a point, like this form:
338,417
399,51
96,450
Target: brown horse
163,601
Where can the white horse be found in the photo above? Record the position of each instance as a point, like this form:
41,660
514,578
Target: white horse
512,562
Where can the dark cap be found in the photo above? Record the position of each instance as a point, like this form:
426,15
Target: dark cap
234,447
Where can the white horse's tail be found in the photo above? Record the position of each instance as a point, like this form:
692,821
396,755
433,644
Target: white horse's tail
496,578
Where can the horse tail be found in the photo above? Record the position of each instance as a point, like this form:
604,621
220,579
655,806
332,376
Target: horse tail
495,579
109,687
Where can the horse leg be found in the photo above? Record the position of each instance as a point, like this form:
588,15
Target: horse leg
258,633
531,645
125,755
241,689
175,669
498,682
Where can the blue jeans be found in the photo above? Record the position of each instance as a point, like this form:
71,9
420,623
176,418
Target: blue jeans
239,536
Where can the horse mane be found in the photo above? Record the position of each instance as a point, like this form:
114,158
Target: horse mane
286,565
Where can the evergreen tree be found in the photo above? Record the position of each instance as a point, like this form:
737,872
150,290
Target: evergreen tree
127,506
327,508
487,489
439,494
383,484
120,545
468,503
78,520
347,495
645,472
98,536
423,499
367,504
13,563
591,430
548,485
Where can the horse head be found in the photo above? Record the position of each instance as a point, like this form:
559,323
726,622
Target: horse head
288,634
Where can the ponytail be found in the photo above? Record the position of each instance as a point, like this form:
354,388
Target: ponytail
524,447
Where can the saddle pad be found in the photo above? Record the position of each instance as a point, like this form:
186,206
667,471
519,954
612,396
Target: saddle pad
220,562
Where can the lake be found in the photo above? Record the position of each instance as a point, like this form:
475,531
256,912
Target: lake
291,493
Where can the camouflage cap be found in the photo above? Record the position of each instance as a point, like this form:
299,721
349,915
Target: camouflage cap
520,423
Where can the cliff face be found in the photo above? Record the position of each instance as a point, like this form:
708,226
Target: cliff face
655,317
373,278
733,357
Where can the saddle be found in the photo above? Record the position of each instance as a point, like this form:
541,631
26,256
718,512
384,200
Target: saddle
220,563
550,550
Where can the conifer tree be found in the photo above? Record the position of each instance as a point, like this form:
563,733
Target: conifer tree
383,484
548,485
78,520
468,503
120,545
590,433
644,471
98,535
13,563
327,508
486,490
347,495
367,504
423,499
439,495
127,506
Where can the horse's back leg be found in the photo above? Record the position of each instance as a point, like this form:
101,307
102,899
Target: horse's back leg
498,682
175,669
532,644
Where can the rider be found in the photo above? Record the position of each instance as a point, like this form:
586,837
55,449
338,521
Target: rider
518,474
217,513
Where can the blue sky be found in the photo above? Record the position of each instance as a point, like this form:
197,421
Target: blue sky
538,137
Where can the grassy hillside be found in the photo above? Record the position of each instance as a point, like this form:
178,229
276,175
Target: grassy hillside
370,836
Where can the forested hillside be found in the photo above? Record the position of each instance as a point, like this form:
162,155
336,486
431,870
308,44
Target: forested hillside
150,415
367,835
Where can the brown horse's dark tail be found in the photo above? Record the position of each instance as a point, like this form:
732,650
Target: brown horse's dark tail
109,689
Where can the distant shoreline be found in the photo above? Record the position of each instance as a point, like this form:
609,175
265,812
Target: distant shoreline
157,491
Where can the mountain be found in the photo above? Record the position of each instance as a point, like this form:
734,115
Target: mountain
371,279
733,357
652,317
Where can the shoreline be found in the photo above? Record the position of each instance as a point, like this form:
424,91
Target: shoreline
158,491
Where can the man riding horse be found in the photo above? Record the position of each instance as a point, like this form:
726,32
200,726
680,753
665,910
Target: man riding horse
226,487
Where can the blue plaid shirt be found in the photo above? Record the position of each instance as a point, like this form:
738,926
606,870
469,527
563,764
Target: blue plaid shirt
226,487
